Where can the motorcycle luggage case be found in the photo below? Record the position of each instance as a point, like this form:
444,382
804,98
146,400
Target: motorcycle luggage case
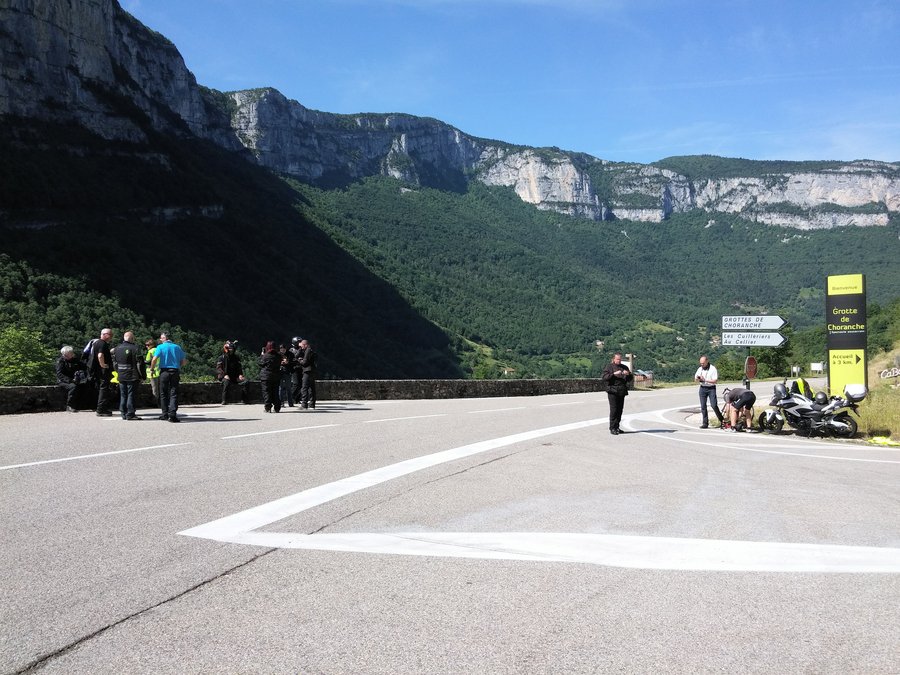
855,392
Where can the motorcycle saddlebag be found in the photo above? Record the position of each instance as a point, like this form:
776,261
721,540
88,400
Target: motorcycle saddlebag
855,392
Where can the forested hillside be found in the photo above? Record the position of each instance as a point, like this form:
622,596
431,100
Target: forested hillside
132,197
178,232
540,289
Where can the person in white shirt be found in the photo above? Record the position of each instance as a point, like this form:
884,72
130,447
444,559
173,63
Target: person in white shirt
707,376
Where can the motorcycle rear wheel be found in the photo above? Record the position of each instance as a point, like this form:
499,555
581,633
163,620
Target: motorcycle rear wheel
844,432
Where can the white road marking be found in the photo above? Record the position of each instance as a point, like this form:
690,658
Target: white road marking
556,405
479,412
396,419
637,552
224,529
279,431
98,454
658,414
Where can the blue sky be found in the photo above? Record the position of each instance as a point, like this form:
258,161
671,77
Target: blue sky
624,80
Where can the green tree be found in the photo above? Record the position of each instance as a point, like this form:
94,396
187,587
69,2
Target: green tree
25,358
774,361
730,368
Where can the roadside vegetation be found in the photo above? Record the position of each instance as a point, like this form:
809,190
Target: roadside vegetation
880,412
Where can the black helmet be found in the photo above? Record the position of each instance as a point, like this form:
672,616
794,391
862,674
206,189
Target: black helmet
295,342
781,391
821,398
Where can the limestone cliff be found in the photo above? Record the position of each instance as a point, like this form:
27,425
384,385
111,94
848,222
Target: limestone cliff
314,146
90,63
317,146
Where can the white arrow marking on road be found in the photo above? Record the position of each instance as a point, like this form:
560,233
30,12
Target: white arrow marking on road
600,549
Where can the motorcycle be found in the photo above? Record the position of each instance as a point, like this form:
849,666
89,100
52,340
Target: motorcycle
810,415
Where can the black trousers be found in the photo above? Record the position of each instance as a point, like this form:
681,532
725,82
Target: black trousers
710,394
296,386
168,391
71,393
229,385
308,390
271,397
616,405
104,393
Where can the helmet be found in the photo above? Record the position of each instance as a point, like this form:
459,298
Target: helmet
821,398
781,391
295,342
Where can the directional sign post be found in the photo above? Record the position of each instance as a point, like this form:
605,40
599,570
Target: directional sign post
750,335
752,339
845,316
763,322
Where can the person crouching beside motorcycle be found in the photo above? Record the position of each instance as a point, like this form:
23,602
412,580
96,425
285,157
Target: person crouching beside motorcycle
739,402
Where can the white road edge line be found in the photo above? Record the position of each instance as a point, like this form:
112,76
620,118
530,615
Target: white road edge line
279,431
396,419
627,551
97,454
659,416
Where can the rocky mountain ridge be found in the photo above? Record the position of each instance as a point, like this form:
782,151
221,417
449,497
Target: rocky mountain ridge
89,62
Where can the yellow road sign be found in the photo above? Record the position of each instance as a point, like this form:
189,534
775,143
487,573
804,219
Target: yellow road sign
845,366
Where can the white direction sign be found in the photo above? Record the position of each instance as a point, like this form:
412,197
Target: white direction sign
763,322
752,339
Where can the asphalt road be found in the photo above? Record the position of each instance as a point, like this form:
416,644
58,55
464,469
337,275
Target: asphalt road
446,536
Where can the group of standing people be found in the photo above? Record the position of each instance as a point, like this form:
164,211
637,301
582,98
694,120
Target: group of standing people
288,376
100,366
739,401
280,365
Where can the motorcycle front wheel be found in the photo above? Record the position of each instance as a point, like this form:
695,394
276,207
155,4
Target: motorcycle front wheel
845,426
772,426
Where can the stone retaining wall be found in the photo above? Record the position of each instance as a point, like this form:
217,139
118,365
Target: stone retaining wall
15,400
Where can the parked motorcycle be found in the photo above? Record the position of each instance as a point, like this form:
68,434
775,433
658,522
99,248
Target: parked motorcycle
812,415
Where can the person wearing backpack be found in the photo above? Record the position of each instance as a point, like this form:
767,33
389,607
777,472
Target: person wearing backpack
100,371
127,357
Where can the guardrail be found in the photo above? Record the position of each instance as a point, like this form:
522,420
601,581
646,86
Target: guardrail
16,400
